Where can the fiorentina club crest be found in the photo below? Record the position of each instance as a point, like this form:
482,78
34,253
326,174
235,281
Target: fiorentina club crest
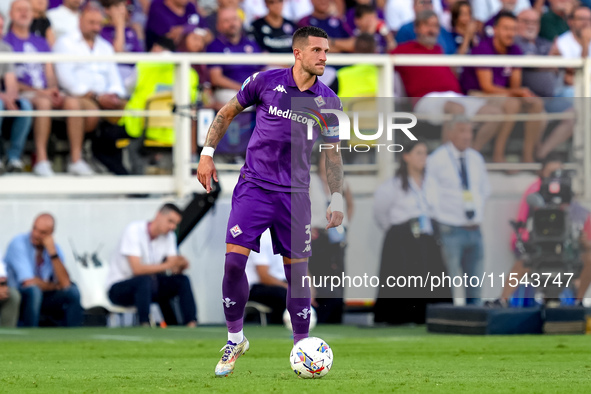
228,302
235,231
304,313
319,101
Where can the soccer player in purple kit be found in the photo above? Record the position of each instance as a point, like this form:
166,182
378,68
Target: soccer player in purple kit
272,191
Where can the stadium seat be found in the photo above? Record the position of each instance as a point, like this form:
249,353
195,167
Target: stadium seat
162,101
123,316
145,146
260,308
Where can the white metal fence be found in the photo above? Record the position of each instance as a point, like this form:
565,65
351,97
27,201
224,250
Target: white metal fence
181,182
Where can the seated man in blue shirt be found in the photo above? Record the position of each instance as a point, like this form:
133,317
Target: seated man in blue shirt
36,269
407,31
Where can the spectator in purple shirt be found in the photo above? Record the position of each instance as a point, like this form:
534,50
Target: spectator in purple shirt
506,81
231,39
212,19
37,82
170,18
117,29
54,4
10,100
367,21
350,15
339,34
464,27
119,33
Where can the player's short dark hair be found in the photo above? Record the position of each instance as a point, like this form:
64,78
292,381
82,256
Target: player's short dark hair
364,9
424,16
365,43
504,14
170,207
307,31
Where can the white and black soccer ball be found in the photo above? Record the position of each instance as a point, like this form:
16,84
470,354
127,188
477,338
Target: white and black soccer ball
310,314
311,358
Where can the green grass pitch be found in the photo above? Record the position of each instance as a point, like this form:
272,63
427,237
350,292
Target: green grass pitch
367,360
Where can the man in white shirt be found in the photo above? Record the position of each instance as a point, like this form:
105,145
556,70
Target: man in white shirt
146,268
463,187
10,300
575,43
96,85
266,277
64,19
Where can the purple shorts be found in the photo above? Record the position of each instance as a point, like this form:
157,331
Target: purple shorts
287,215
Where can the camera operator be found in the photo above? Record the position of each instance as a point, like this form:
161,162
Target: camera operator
578,214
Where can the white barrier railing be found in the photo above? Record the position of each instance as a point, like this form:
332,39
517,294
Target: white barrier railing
181,182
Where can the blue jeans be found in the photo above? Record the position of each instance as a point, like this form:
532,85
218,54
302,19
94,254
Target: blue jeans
463,254
21,127
60,307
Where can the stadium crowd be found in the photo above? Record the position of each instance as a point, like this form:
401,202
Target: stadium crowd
495,27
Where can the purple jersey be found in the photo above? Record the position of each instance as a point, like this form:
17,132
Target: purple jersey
161,19
501,75
31,74
380,40
333,26
132,42
278,154
54,4
350,17
236,72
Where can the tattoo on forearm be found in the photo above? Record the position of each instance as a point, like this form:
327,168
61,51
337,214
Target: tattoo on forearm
216,130
236,105
334,171
221,122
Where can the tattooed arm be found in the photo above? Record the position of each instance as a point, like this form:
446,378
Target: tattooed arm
334,177
206,168
222,121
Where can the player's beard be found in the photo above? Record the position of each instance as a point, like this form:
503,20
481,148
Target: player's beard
314,70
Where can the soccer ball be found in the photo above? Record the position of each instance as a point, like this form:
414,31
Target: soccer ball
310,314
311,358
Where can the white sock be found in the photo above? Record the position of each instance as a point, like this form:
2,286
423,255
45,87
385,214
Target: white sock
236,337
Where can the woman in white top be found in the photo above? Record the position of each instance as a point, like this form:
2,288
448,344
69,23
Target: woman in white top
404,209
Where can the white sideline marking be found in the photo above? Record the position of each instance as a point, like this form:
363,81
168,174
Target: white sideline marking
129,338
12,332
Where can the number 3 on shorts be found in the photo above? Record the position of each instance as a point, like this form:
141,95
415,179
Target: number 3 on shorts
309,233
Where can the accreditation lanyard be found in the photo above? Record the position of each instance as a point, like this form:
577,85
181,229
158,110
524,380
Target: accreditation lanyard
423,205
467,197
